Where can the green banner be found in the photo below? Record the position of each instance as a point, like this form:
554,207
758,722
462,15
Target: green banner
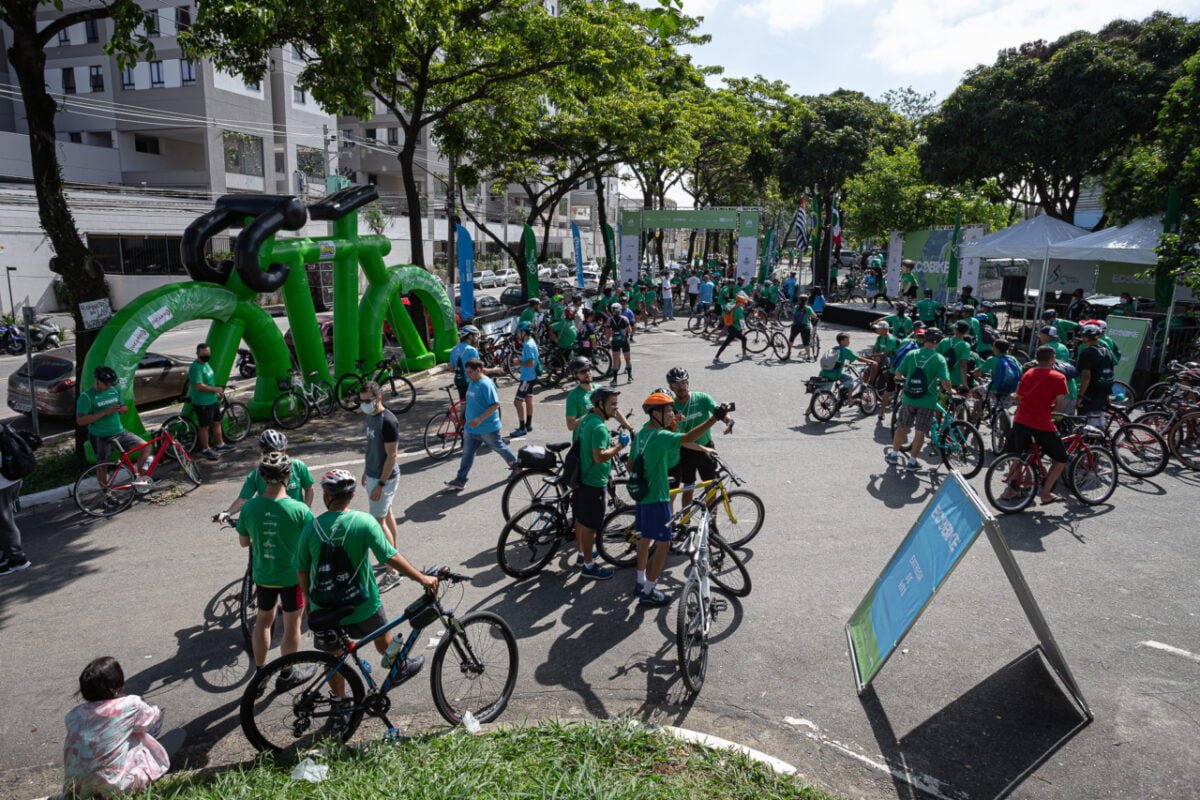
531,266
930,249
696,219
748,222
1114,278
1129,334
611,237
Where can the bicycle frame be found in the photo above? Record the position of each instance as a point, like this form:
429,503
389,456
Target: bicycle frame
131,464
697,548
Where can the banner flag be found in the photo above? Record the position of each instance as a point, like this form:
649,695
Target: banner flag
531,265
466,272
578,254
801,223
836,225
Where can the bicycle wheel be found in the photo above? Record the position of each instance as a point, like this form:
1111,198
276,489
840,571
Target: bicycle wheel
868,401
290,410
725,569
1011,484
695,323
441,437
1157,391
617,542
235,422
182,430
529,540
404,394
741,520
824,406
601,360
1122,395
277,717
1185,440
1160,421
1092,475
322,398
186,464
998,429
691,642
780,346
529,487
346,391
1139,450
98,499
482,669
961,448
247,608
757,339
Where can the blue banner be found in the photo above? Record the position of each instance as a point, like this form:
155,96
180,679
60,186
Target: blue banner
947,527
578,254
466,272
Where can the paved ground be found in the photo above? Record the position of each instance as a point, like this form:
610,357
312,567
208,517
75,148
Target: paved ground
961,712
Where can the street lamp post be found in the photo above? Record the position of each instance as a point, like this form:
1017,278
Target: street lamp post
12,305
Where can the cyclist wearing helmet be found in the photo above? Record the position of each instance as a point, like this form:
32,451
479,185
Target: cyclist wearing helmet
969,299
270,526
957,353
923,372
618,342
482,423
981,326
734,316
1095,363
299,486
579,401
899,322
692,409
596,452
565,332
99,407
655,450
468,337
531,311
988,307
530,359
357,536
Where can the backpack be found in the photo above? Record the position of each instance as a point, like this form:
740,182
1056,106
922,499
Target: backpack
571,476
1067,369
17,459
336,581
829,360
917,384
903,350
987,333
1007,375
1105,378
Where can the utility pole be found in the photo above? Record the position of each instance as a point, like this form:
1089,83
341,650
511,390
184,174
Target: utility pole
451,233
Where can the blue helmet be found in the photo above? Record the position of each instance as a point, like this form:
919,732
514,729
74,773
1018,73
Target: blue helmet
982,317
524,326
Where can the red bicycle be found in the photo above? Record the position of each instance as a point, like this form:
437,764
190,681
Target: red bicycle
444,430
109,488
1013,481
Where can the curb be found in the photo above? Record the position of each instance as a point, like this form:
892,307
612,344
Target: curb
717,743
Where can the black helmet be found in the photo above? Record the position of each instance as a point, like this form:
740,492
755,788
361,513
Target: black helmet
106,375
929,292
933,335
581,362
602,394
676,374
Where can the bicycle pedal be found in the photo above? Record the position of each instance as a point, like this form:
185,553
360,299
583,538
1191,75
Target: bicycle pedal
717,605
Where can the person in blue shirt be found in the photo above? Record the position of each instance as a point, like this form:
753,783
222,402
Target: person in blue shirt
482,423
789,287
460,354
706,293
528,376
817,301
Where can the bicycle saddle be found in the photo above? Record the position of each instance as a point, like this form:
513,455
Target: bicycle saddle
328,618
558,447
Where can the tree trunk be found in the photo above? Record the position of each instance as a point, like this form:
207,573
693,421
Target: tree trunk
412,197
821,268
71,259
610,258
691,251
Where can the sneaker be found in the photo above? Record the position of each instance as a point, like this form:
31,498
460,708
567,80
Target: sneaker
456,485
223,446
388,580
290,677
210,454
716,360
654,598
891,457
596,572
638,587
410,668
528,429
339,714
11,566
912,465
519,433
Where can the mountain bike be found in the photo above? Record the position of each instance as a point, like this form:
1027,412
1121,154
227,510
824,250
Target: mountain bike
531,484
473,670
697,607
111,494
349,386
444,430
531,537
956,441
1014,480
299,400
830,396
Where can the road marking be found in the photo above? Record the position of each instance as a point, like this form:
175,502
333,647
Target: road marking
1175,651
359,460
924,783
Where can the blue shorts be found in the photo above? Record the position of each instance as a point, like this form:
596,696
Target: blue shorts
653,521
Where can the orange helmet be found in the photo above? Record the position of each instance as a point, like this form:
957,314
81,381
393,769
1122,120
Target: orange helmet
657,399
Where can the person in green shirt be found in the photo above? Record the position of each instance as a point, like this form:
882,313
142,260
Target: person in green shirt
596,452
923,372
565,333
988,307
968,298
99,407
556,308
1127,307
359,536
299,485
205,397
735,314
579,399
691,409
530,312
1065,327
655,450
885,345
929,310
270,526
836,373
908,280
899,322
956,352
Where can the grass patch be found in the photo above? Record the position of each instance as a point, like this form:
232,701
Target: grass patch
55,468
591,760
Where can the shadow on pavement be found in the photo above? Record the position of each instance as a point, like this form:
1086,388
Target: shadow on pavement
985,743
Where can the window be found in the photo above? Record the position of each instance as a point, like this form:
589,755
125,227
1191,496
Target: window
370,134
348,137
96,78
151,23
64,36
91,30
127,78
156,75
243,154
393,136
298,96
187,71
146,144
75,137
183,18
68,80
253,85
297,53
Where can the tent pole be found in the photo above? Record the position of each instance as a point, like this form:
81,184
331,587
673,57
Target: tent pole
1162,356
1041,299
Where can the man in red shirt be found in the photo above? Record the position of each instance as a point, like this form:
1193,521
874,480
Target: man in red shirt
1042,391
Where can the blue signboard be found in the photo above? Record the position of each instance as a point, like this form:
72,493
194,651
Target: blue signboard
947,527
466,272
578,254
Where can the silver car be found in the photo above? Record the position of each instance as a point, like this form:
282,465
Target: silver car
158,378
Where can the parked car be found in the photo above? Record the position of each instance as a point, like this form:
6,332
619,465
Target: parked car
325,321
591,278
507,277
484,303
158,378
563,271
512,297
487,279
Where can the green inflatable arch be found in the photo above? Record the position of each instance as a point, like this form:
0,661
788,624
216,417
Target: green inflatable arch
431,293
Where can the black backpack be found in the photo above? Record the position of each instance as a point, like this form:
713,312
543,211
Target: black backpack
570,476
987,333
17,459
1105,378
336,581
917,384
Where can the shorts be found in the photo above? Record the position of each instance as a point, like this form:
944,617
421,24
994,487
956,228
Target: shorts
692,463
327,641
525,389
1092,403
619,345
915,417
207,415
462,389
805,332
588,504
653,521
124,441
380,507
1021,437
290,597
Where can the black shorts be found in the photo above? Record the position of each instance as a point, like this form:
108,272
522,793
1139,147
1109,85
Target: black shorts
327,640
619,345
1021,438
290,597
524,389
207,415
1092,403
462,389
804,330
588,504
691,463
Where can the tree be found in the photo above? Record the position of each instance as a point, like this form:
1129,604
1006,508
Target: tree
421,60
82,279
911,104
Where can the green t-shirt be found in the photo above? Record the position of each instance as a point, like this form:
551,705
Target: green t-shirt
273,528
199,372
301,479
1061,353
696,411
738,316
1065,329
886,344
844,354
659,450
556,311
901,324
936,371
956,350
592,433
527,315
579,402
977,332
91,401
360,535
908,279
566,333
928,309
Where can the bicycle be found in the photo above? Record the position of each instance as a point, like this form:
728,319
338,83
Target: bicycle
532,483
246,594
276,716
114,494
827,402
298,400
349,386
1013,480
956,441
529,540
235,422
444,430
697,607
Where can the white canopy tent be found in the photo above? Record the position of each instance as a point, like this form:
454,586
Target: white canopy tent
1129,244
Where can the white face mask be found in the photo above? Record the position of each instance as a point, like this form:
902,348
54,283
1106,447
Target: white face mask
368,408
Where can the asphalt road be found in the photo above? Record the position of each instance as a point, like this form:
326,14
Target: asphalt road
962,711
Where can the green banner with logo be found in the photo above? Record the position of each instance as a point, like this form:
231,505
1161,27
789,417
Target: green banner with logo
697,219
1129,334
1114,278
529,238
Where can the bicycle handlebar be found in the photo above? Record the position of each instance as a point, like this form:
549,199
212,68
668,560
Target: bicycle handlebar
342,202
273,214
444,574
